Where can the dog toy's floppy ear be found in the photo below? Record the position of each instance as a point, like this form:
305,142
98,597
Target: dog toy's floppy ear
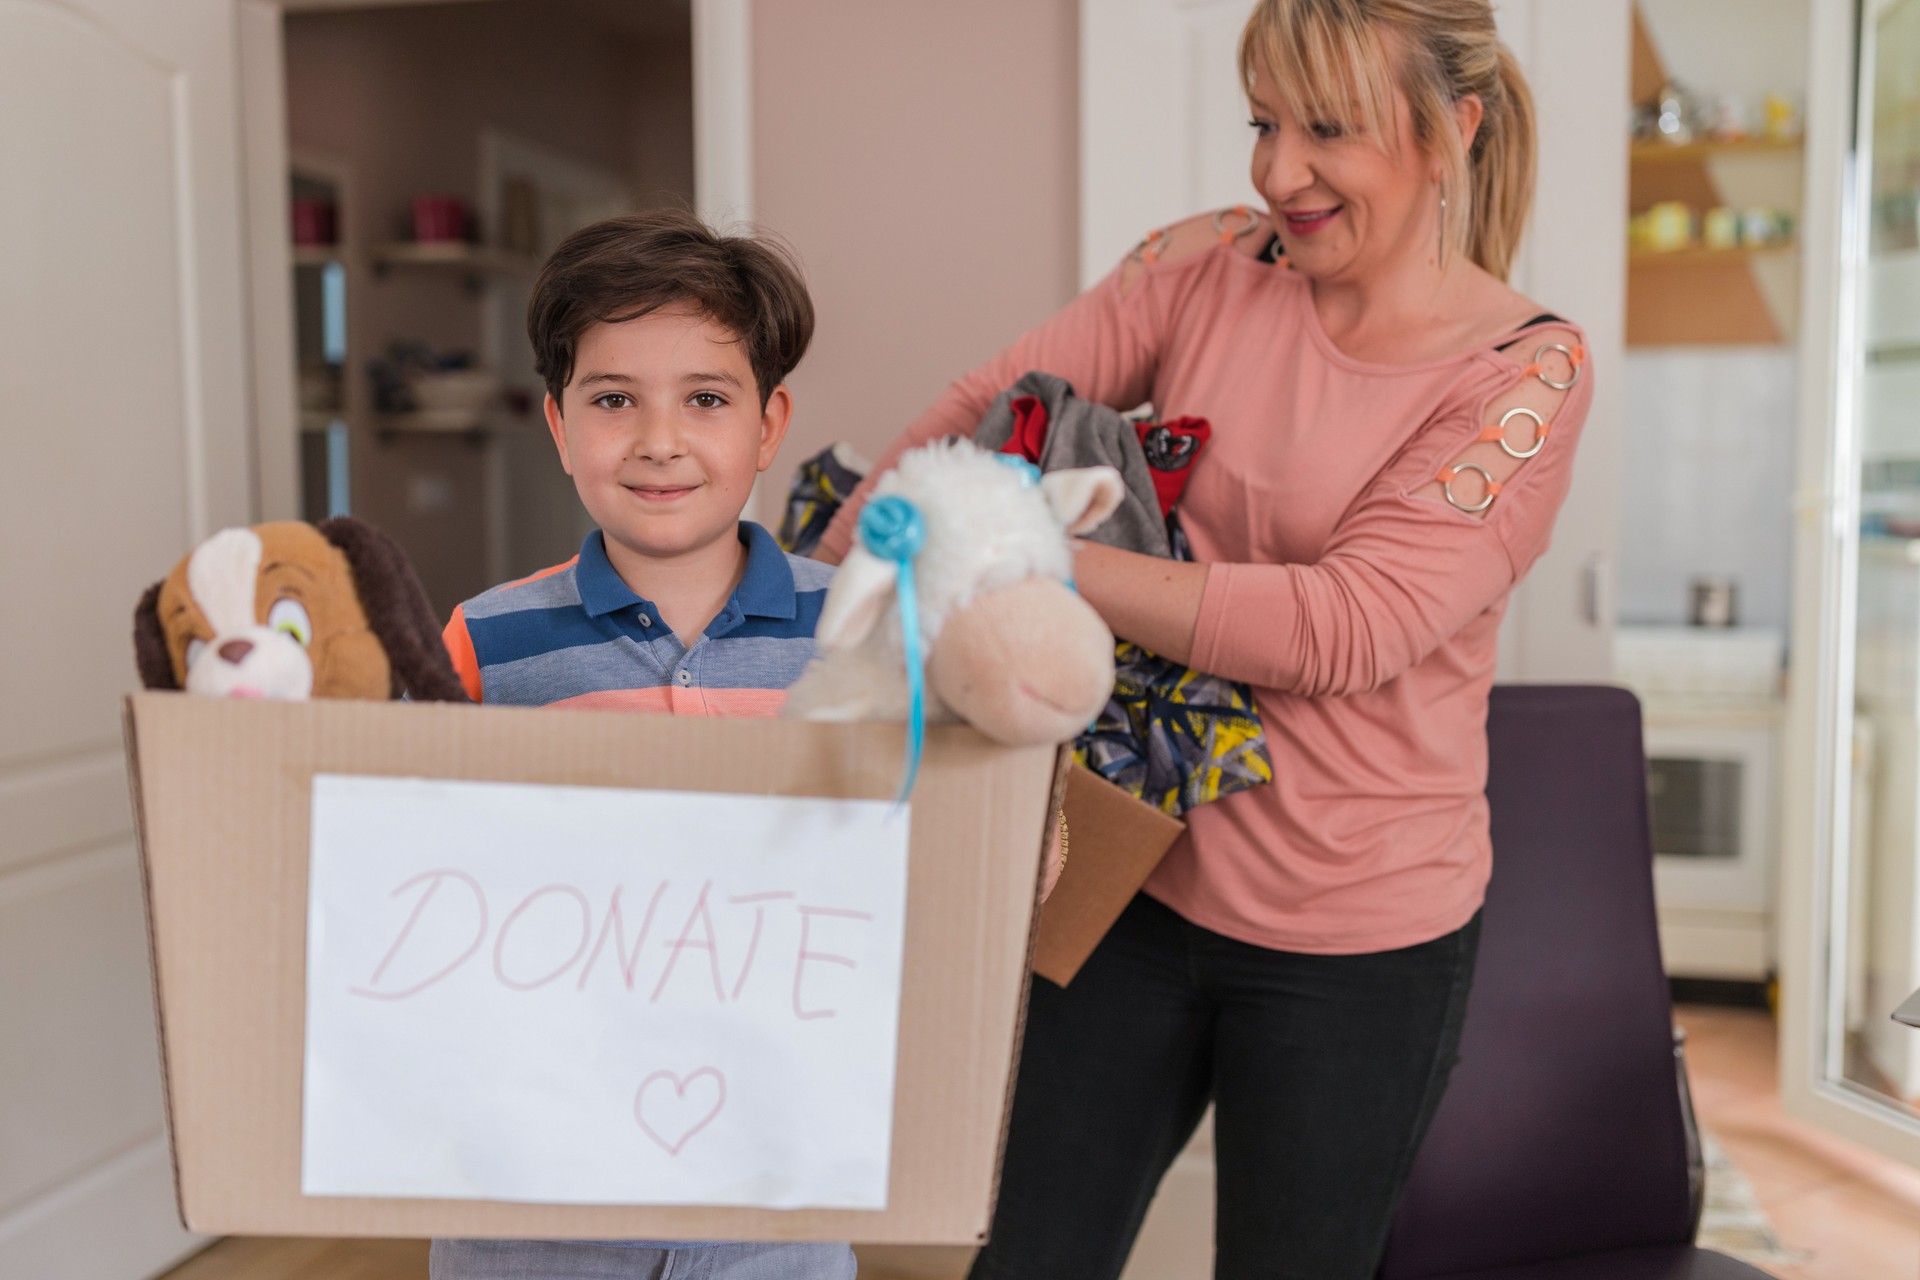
397,611
150,653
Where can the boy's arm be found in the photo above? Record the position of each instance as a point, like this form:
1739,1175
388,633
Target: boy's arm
460,647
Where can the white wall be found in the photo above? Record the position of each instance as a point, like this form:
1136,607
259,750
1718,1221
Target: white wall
1707,478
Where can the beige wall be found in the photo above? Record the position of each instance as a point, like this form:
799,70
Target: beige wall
922,160
402,96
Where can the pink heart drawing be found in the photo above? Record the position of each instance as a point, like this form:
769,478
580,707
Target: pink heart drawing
662,1114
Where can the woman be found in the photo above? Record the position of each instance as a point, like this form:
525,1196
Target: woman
1394,431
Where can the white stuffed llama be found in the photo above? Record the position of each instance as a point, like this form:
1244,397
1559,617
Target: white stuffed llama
1009,646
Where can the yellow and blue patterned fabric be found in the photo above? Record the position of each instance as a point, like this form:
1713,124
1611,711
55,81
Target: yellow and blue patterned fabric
819,487
1172,736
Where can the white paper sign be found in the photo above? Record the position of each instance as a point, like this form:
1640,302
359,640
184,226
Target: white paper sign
591,995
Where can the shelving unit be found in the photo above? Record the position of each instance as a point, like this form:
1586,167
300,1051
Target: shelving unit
1691,152
1700,255
1741,296
318,255
476,261
439,422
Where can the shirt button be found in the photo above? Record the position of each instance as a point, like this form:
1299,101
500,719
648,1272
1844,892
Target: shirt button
685,676
644,620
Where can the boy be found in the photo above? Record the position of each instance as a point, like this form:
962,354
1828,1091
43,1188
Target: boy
665,349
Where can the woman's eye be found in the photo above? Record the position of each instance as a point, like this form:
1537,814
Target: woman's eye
708,399
614,400
1325,130
1261,127
290,616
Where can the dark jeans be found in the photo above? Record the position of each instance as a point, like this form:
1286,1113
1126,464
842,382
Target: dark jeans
1324,1072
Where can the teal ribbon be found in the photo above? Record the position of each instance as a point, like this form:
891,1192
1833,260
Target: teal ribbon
893,529
1029,474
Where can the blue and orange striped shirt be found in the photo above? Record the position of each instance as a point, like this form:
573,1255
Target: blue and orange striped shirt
577,635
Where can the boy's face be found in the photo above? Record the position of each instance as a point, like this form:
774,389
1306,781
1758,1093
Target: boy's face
662,431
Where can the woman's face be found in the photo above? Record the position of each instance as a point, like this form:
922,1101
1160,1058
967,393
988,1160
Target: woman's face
1342,204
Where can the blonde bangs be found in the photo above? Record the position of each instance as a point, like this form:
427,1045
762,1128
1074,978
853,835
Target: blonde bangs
1328,63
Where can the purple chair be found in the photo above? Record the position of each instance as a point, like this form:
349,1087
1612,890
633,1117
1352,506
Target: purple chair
1562,1150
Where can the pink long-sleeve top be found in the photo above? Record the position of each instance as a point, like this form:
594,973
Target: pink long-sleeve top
1364,616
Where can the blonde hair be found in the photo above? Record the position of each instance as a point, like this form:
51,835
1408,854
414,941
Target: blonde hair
1339,60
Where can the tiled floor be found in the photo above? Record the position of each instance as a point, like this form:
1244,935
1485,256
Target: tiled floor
1853,1214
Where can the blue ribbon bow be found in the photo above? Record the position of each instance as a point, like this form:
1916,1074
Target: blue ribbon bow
893,529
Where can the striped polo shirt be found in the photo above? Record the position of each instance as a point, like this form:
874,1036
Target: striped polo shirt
576,635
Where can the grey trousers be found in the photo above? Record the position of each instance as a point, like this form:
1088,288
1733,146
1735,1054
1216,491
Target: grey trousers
564,1260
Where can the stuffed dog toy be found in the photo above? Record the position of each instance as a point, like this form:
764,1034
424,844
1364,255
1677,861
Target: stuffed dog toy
291,611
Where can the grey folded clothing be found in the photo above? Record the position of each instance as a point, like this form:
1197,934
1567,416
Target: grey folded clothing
1079,433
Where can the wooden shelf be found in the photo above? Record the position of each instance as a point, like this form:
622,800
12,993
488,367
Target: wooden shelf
439,422
318,255
456,254
1679,152
1699,255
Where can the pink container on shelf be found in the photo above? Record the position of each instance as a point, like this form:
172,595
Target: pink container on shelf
439,218
314,222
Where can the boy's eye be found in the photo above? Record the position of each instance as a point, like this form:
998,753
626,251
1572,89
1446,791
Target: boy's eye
708,399
614,400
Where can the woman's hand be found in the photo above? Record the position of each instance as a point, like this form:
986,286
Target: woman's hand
1155,603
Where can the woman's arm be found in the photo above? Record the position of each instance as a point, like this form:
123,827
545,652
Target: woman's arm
1106,343
1151,601
1405,569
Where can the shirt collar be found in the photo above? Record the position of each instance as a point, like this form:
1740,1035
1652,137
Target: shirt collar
766,589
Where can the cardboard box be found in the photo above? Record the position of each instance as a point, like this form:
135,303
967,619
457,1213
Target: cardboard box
1114,841
222,797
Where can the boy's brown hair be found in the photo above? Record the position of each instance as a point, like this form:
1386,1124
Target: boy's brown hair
626,267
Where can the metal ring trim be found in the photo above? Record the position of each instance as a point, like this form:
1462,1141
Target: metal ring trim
1220,221
1148,250
1539,433
1573,360
1446,487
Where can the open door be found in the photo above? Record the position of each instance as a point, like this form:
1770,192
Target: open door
123,387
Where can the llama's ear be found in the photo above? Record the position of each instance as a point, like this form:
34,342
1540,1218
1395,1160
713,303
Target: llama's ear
859,598
1083,497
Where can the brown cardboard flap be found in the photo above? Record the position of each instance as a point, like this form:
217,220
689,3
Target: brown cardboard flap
223,791
1114,842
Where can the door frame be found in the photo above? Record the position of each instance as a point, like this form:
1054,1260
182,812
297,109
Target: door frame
723,187
1817,819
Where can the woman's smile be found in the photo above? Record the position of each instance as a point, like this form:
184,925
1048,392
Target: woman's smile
1307,221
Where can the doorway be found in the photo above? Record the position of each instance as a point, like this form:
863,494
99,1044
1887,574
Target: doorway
461,142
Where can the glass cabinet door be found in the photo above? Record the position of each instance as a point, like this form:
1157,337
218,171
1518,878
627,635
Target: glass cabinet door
1857,934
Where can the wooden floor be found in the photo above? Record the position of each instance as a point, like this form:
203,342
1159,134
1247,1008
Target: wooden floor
1854,1215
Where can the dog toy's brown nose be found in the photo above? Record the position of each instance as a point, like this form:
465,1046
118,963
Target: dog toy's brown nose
235,651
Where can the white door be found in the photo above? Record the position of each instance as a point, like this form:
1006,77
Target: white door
122,441
1164,135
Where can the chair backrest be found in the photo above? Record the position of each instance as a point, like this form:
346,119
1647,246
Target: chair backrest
1561,1131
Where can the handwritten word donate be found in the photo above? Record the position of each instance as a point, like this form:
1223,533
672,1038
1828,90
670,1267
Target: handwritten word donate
596,995
565,932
